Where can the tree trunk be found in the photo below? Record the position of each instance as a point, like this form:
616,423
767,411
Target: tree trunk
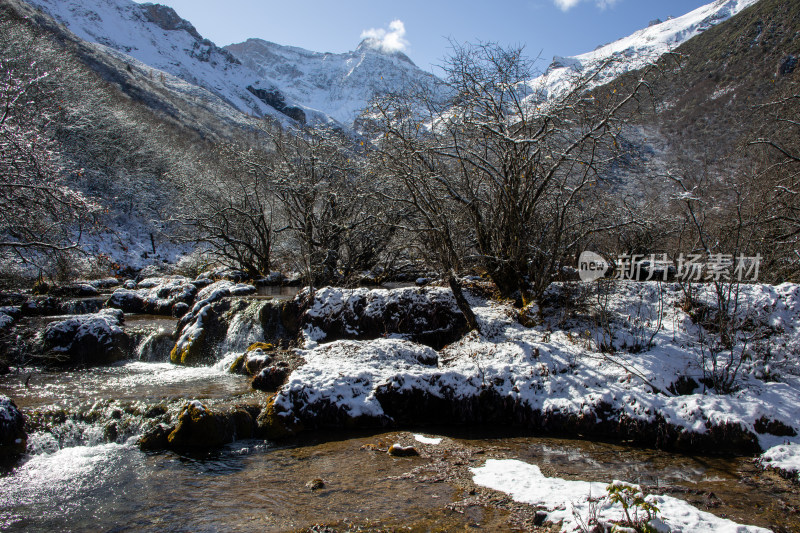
462,303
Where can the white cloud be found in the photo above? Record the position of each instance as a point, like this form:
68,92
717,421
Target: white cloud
566,5
391,40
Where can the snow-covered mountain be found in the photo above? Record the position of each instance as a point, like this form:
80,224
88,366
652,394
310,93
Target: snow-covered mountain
306,86
638,49
257,77
339,85
157,37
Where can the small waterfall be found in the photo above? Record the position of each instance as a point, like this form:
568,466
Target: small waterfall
155,347
244,329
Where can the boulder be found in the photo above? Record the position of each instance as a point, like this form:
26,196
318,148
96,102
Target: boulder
200,427
93,339
13,439
271,378
426,315
155,296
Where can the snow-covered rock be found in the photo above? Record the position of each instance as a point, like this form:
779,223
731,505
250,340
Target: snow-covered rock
93,339
785,458
13,438
553,377
157,296
426,315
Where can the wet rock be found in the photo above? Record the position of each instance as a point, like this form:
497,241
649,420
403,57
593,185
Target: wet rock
155,411
93,339
429,316
219,324
155,296
315,484
271,378
156,439
257,356
13,439
200,427
396,450
274,424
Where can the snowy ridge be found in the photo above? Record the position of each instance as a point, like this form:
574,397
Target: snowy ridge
325,87
636,50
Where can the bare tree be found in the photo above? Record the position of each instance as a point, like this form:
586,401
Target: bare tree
232,212
329,205
39,212
521,169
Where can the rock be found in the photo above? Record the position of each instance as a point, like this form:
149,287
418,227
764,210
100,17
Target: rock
42,306
52,306
315,484
426,315
787,66
270,378
156,439
13,439
76,290
200,427
155,411
180,309
397,450
155,296
93,339
217,320
272,424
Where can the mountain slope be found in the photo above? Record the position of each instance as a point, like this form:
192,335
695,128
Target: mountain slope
638,49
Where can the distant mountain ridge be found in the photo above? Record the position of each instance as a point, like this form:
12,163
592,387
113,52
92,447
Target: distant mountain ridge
258,77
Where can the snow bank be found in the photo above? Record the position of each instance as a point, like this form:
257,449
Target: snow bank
572,502
785,458
553,376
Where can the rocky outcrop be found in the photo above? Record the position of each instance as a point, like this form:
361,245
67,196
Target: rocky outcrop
275,99
93,339
13,439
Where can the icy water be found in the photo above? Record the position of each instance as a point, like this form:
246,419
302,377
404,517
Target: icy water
90,484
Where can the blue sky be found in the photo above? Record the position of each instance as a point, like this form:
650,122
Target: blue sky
546,27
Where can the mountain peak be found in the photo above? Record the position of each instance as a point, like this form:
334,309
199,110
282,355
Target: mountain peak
371,44
168,19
